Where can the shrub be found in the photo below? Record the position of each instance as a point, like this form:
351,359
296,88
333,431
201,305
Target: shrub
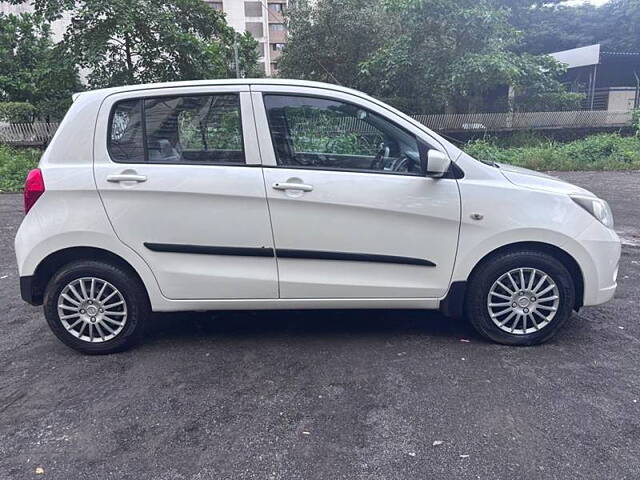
607,151
17,112
14,165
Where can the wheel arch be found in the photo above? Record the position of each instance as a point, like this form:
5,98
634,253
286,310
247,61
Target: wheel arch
453,303
56,260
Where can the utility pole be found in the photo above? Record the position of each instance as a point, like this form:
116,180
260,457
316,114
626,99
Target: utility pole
235,58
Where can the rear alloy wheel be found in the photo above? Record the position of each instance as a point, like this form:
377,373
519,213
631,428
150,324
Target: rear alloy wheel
95,307
91,309
520,298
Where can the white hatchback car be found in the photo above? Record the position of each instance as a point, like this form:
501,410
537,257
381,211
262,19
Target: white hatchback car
284,194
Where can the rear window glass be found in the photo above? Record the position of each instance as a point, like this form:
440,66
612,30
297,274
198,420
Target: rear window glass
181,129
125,137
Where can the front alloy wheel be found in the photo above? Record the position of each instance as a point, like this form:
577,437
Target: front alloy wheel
523,300
520,297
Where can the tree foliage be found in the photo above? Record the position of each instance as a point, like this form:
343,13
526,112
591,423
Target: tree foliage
553,26
136,41
421,55
32,69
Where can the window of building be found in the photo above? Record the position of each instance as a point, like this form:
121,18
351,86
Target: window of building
195,129
319,133
255,28
276,27
261,50
213,4
253,9
276,7
277,47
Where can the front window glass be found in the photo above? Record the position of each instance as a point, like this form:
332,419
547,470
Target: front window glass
328,134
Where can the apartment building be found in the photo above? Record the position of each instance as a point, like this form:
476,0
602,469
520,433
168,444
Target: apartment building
264,20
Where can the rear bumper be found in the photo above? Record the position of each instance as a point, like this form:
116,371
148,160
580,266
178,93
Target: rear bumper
28,291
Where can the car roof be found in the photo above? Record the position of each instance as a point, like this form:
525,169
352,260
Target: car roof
227,81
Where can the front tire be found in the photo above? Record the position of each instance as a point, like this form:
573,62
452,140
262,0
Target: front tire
520,297
96,307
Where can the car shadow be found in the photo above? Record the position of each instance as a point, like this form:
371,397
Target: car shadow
303,323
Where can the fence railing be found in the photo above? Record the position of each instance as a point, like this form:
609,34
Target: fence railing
36,134
495,122
27,134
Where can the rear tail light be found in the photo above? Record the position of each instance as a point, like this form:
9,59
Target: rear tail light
33,188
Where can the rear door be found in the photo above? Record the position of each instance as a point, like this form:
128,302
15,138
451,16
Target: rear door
352,214
178,171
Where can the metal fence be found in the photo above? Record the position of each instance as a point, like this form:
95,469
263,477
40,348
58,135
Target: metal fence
37,134
27,134
496,122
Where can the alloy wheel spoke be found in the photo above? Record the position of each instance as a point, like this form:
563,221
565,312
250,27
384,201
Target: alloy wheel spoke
548,299
83,289
81,331
100,332
106,326
75,323
99,296
75,292
509,317
68,307
539,284
505,287
499,295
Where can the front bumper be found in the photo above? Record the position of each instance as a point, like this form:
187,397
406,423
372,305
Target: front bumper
602,248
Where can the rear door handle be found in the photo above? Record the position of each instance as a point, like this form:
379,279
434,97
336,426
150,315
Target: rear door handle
292,186
126,177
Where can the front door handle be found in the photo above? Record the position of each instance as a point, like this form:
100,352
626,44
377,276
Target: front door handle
126,177
292,186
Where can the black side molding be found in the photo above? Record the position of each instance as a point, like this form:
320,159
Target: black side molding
210,250
286,253
351,257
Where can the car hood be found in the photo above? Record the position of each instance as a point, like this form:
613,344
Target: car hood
523,177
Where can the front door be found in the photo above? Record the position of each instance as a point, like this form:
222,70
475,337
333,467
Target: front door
179,174
352,214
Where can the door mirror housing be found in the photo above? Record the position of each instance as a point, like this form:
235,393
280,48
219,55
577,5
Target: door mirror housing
434,163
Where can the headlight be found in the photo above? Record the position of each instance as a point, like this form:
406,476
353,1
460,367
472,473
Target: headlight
596,207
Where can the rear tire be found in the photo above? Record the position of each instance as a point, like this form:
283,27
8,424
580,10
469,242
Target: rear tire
95,307
512,311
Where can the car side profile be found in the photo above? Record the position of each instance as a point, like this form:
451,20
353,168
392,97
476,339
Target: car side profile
286,194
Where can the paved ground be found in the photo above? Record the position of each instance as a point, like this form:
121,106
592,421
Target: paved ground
327,395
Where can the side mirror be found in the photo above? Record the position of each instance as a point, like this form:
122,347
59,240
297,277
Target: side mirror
436,164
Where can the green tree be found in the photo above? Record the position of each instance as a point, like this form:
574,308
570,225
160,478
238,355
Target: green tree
421,55
32,68
137,41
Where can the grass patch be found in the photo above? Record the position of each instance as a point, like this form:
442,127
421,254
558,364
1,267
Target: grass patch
14,166
606,151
